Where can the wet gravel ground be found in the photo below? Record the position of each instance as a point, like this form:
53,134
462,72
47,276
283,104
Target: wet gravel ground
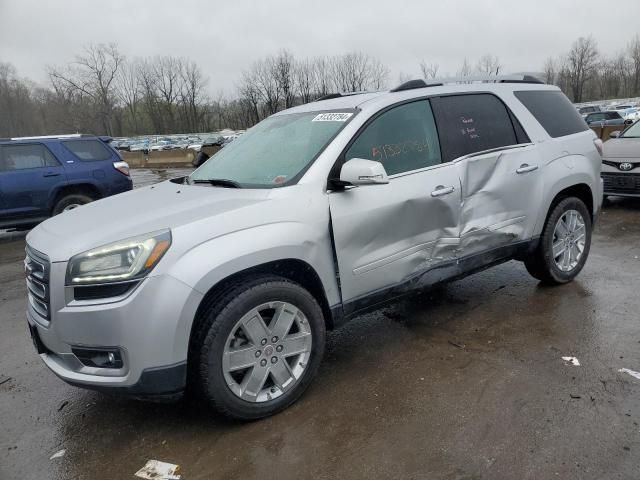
465,381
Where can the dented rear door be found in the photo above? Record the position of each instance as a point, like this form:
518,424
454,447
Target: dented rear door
388,235
498,166
501,193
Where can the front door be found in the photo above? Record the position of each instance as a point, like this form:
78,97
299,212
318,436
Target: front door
388,235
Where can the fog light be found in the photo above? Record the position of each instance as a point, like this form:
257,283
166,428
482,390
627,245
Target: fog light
99,357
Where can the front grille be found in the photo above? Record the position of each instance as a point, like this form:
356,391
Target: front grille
37,270
622,183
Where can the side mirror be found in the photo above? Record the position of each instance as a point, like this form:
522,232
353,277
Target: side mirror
628,122
615,134
359,171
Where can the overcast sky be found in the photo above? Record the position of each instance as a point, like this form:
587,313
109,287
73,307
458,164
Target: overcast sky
224,37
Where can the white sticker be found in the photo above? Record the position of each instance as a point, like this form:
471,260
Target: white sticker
332,117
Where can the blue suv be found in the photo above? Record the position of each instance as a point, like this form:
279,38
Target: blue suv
44,176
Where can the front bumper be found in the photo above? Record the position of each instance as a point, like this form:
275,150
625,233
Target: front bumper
150,327
621,183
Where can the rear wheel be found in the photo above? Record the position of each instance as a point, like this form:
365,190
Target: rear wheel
71,201
564,244
259,347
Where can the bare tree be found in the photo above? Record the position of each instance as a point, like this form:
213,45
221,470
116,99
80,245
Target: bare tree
634,55
283,71
489,64
322,73
429,70
305,79
582,63
465,69
93,74
192,95
130,91
550,71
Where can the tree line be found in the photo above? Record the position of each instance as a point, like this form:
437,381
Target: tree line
101,91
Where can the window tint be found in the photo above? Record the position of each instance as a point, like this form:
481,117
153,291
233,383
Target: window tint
554,111
402,139
472,123
89,150
596,117
24,157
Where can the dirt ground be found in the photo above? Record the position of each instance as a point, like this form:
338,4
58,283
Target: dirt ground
465,381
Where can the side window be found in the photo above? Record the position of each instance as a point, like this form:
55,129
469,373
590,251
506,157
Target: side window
553,110
88,150
402,139
25,157
472,123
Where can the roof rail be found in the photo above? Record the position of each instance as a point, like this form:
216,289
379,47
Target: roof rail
338,95
44,137
438,82
513,78
412,84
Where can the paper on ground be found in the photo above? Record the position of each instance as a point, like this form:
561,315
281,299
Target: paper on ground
572,360
157,470
58,454
630,372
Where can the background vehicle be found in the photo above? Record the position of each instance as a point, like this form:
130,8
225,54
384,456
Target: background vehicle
208,147
228,279
605,118
621,163
587,109
44,176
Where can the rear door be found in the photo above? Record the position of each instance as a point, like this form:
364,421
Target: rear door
29,173
499,170
388,235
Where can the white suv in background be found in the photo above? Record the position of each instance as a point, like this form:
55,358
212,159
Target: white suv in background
225,282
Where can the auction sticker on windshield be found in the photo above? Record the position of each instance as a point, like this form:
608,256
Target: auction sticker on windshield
332,117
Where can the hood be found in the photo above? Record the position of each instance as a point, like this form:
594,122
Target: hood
621,148
140,211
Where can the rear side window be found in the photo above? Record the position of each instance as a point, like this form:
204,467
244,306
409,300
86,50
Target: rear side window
554,112
402,139
88,150
473,123
25,157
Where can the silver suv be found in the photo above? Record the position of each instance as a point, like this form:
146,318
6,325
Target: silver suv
225,282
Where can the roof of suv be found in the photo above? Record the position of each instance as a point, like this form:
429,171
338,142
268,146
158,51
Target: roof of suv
377,100
55,138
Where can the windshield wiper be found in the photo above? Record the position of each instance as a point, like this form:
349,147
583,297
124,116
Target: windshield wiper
218,182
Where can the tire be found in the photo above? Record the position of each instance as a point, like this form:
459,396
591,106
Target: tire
220,333
554,270
68,202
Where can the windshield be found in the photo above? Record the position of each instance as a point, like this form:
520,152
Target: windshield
275,152
633,131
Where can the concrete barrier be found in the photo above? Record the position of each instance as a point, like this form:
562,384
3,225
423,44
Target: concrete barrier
161,159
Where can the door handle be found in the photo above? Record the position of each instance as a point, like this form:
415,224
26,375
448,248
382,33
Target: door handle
442,190
51,174
526,168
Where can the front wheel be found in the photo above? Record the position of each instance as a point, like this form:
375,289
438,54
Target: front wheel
564,245
71,201
259,347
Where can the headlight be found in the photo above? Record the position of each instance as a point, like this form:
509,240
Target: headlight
121,261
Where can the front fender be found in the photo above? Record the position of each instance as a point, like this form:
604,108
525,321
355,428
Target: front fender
210,262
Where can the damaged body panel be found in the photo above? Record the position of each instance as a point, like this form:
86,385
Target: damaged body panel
500,191
388,234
